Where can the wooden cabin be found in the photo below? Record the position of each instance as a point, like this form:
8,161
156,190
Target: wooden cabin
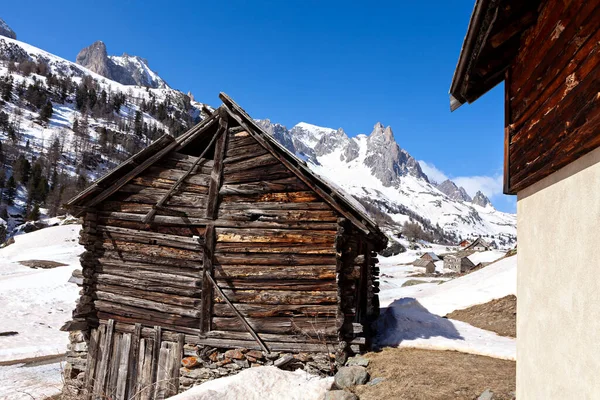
220,238
423,263
548,55
430,256
479,245
464,243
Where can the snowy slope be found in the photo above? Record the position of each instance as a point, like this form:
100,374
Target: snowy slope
37,302
412,316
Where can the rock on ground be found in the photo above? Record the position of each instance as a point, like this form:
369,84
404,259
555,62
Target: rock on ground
351,376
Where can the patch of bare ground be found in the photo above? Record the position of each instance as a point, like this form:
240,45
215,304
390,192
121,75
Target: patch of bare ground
412,374
44,264
498,316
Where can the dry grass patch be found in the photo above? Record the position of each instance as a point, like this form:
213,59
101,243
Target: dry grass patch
498,316
412,374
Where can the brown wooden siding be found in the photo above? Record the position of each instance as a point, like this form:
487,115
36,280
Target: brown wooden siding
553,105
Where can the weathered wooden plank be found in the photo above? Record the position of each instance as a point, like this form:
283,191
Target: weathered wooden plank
206,307
131,221
142,208
199,179
184,301
147,321
162,376
310,326
133,259
151,250
92,359
275,205
281,310
123,371
148,304
166,184
238,153
269,172
278,284
108,218
243,153
104,352
145,382
274,236
273,259
143,284
216,176
165,278
285,197
134,356
296,248
298,272
113,373
254,162
183,162
277,185
279,297
142,194
147,237
160,268
158,317
238,140
278,215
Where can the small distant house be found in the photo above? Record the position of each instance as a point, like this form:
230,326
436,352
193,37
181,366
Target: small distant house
430,256
464,243
427,264
479,245
458,262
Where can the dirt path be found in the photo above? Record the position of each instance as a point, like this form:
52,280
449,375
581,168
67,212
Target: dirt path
411,374
498,316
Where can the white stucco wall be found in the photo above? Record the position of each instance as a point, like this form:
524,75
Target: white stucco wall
558,284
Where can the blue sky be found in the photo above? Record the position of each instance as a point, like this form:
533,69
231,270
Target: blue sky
334,63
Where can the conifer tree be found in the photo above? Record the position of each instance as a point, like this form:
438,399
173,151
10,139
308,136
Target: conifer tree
11,191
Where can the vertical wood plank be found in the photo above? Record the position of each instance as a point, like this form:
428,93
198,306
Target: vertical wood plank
105,351
162,375
92,359
123,374
207,289
113,372
145,382
156,353
134,357
216,176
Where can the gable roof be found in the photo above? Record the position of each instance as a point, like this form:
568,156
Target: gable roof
342,202
478,241
431,254
422,263
491,43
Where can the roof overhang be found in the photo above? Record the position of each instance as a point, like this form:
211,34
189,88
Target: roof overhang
492,41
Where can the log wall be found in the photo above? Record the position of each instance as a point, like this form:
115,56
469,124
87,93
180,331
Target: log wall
242,254
552,102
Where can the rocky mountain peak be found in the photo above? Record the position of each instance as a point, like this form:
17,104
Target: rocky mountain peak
481,199
125,69
5,30
387,160
450,189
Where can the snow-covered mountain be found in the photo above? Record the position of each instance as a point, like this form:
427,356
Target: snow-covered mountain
391,184
373,168
5,30
125,69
